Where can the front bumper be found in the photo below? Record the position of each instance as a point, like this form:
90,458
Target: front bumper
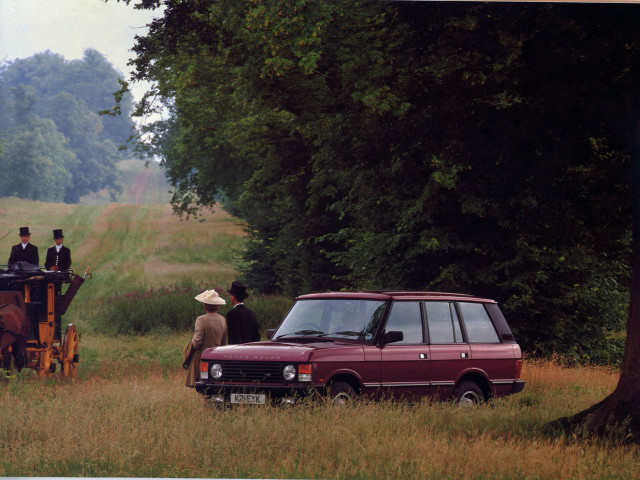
276,393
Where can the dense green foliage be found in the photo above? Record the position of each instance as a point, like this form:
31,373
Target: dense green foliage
481,148
173,309
58,147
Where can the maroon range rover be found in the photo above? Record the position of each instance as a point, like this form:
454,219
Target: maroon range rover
376,344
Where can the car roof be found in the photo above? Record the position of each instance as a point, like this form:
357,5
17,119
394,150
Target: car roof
396,295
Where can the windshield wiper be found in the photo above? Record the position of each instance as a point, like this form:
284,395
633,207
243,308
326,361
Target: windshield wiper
347,333
300,332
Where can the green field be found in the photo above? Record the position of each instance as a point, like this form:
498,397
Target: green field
128,414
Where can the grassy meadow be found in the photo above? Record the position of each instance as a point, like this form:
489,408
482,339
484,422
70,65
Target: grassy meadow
128,414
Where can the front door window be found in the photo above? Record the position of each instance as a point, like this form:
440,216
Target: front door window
405,317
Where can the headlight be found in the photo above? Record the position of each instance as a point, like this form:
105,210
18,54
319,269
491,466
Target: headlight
289,372
216,371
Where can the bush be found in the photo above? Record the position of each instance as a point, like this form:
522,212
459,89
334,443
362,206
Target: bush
174,309
269,309
143,311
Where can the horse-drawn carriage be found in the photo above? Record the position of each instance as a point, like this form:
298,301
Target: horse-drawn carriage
32,303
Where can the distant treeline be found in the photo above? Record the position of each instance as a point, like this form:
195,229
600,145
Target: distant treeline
54,146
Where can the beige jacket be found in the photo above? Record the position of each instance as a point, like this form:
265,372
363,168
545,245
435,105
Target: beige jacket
210,331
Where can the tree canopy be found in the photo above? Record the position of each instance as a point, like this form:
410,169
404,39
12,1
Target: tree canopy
481,148
58,147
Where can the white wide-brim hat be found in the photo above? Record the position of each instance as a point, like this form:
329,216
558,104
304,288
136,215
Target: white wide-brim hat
211,297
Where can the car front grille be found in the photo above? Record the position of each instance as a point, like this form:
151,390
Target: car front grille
251,372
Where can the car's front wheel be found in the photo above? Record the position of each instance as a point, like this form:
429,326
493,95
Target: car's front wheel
341,393
469,393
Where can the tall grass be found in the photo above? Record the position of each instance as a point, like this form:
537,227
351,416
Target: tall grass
128,247
128,413
132,417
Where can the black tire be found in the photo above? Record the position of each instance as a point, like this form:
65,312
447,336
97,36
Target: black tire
342,393
469,393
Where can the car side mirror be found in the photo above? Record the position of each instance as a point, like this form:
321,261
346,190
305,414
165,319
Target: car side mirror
270,333
392,336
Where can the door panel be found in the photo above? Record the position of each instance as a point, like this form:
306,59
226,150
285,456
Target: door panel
404,371
447,361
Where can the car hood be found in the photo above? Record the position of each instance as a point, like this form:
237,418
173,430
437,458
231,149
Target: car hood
275,351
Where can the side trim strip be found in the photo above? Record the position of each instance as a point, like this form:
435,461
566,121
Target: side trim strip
399,384
502,382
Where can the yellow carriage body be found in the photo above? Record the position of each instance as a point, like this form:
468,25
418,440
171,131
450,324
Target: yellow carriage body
44,297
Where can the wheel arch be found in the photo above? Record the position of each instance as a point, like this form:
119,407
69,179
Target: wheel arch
480,379
346,377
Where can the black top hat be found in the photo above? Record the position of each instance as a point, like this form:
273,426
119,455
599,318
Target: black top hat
238,290
57,234
24,231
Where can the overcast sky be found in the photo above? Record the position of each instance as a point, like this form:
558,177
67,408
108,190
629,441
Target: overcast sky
68,27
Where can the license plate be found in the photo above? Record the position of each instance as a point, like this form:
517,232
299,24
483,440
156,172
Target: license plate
248,398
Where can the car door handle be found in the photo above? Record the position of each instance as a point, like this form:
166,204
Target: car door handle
423,356
464,355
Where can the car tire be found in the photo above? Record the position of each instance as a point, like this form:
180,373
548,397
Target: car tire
469,393
341,393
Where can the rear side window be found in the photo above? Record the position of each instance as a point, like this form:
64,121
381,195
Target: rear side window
406,318
476,320
444,326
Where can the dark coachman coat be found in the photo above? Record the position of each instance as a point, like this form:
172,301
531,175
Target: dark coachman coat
28,254
61,259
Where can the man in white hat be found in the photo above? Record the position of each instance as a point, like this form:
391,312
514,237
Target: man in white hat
210,331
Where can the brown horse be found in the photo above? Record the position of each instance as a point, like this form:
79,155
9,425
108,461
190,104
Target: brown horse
14,329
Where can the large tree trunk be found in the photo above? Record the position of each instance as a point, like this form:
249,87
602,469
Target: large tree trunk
619,414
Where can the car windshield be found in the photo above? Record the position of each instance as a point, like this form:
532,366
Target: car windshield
332,317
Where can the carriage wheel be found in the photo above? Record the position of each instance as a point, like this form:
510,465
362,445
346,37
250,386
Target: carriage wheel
69,358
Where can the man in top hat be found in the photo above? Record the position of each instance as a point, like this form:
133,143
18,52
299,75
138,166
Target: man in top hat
58,256
24,251
241,322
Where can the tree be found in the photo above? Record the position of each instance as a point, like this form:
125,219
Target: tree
91,80
411,145
618,415
46,86
98,155
36,163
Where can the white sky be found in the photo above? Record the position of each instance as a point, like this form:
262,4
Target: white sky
68,27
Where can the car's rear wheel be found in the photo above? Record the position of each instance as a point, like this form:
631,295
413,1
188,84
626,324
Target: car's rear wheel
469,393
341,393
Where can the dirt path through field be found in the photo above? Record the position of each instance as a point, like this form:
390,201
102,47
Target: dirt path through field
97,243
146,244
139,186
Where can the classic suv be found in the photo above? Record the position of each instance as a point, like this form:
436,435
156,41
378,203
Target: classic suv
387,344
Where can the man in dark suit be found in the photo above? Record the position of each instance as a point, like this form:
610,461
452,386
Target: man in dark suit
24,251
58,256
242,326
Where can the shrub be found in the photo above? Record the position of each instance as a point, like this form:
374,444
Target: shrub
174,309
270,310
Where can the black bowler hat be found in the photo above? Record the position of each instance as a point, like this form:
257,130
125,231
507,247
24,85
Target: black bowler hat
57,234
238,290
24,231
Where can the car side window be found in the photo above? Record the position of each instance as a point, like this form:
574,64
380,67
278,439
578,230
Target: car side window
406,318
444,325
476,320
